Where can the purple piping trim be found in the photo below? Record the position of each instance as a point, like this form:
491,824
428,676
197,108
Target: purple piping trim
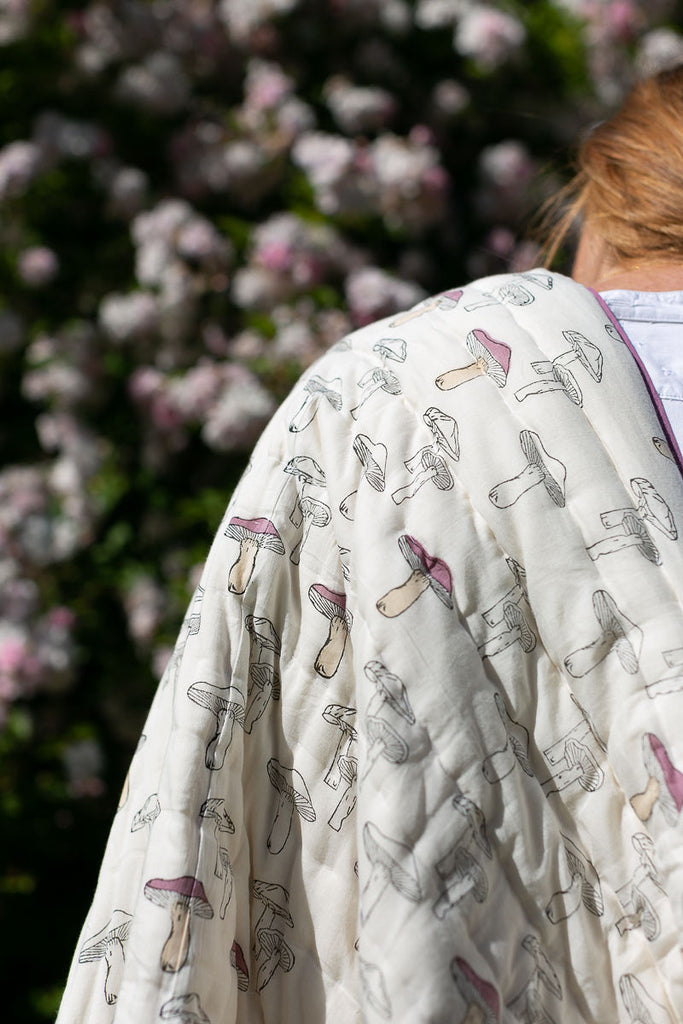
656,400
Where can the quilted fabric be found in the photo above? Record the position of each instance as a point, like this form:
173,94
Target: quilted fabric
418,755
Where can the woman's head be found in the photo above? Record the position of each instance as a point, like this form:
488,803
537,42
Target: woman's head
629,184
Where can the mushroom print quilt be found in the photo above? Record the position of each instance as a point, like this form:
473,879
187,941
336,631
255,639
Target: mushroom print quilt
418,754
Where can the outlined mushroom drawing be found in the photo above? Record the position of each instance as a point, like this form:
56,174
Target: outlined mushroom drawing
239,963
640,1006
618,635
475,831
148,813
278,956
664,783
316,389
389,692
672,680
462,875
253,535
264,639
373,458
577,765
213,809
391,863
226,703
275,912
427,573
314,513
194,617
629,525
638,909
343,719
427,466
293,796
185,1009
393,349
444,431
348,772
264,683
480,996
491,359
557,376
108,944
584,887
663,448
377,378
541,468
309,473
374,988
184,898
444,300
383,741
510,620
513,294
332,605
500,763
527,1005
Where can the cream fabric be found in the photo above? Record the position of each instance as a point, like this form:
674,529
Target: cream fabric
417,756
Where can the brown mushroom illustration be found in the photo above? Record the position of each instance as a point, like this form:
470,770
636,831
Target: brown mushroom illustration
183,897
332,605
428,467
377,378
264,683
541,468
348,771
427,573
226,703
392,863
518,632
238,961
444,300
213,809
491,359
148,813
394,349
253,535
278,955
444,431
275,902
480,996
315,389
389,690
185,1009
578,765
640,1006
462,875
313,513
374,988
672,680
108,944
584,887
293,796
501,762
618,635
343,718
384,742
664,784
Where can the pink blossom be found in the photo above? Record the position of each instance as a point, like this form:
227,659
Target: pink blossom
37,266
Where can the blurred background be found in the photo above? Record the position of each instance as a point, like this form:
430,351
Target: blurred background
197,198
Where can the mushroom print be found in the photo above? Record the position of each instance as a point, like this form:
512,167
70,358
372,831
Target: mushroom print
541,468
491,359
481,998
394,349
348,773
264,640
373,458
383,741
389,692
313,513
475,833
444,431
184,898
556,375
663,448
239,963
427,573
428,467
391,863
629,525
253,535
575,764
664,785
445,300
508,613
275,912
332,605
308,472
672,680
501,762
214,810
618,635
293,796
264,683
185,1009
109,945
462,875
343,719
633,896
316,388
226,703
374,988
194,617
277,955
641,1007
377,378
584,887
148,813
527,1006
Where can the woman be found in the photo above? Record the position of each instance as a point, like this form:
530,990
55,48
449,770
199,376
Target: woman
418,754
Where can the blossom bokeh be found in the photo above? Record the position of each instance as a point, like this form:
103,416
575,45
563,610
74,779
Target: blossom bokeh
198,198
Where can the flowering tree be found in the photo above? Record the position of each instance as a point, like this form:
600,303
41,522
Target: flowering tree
196,199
